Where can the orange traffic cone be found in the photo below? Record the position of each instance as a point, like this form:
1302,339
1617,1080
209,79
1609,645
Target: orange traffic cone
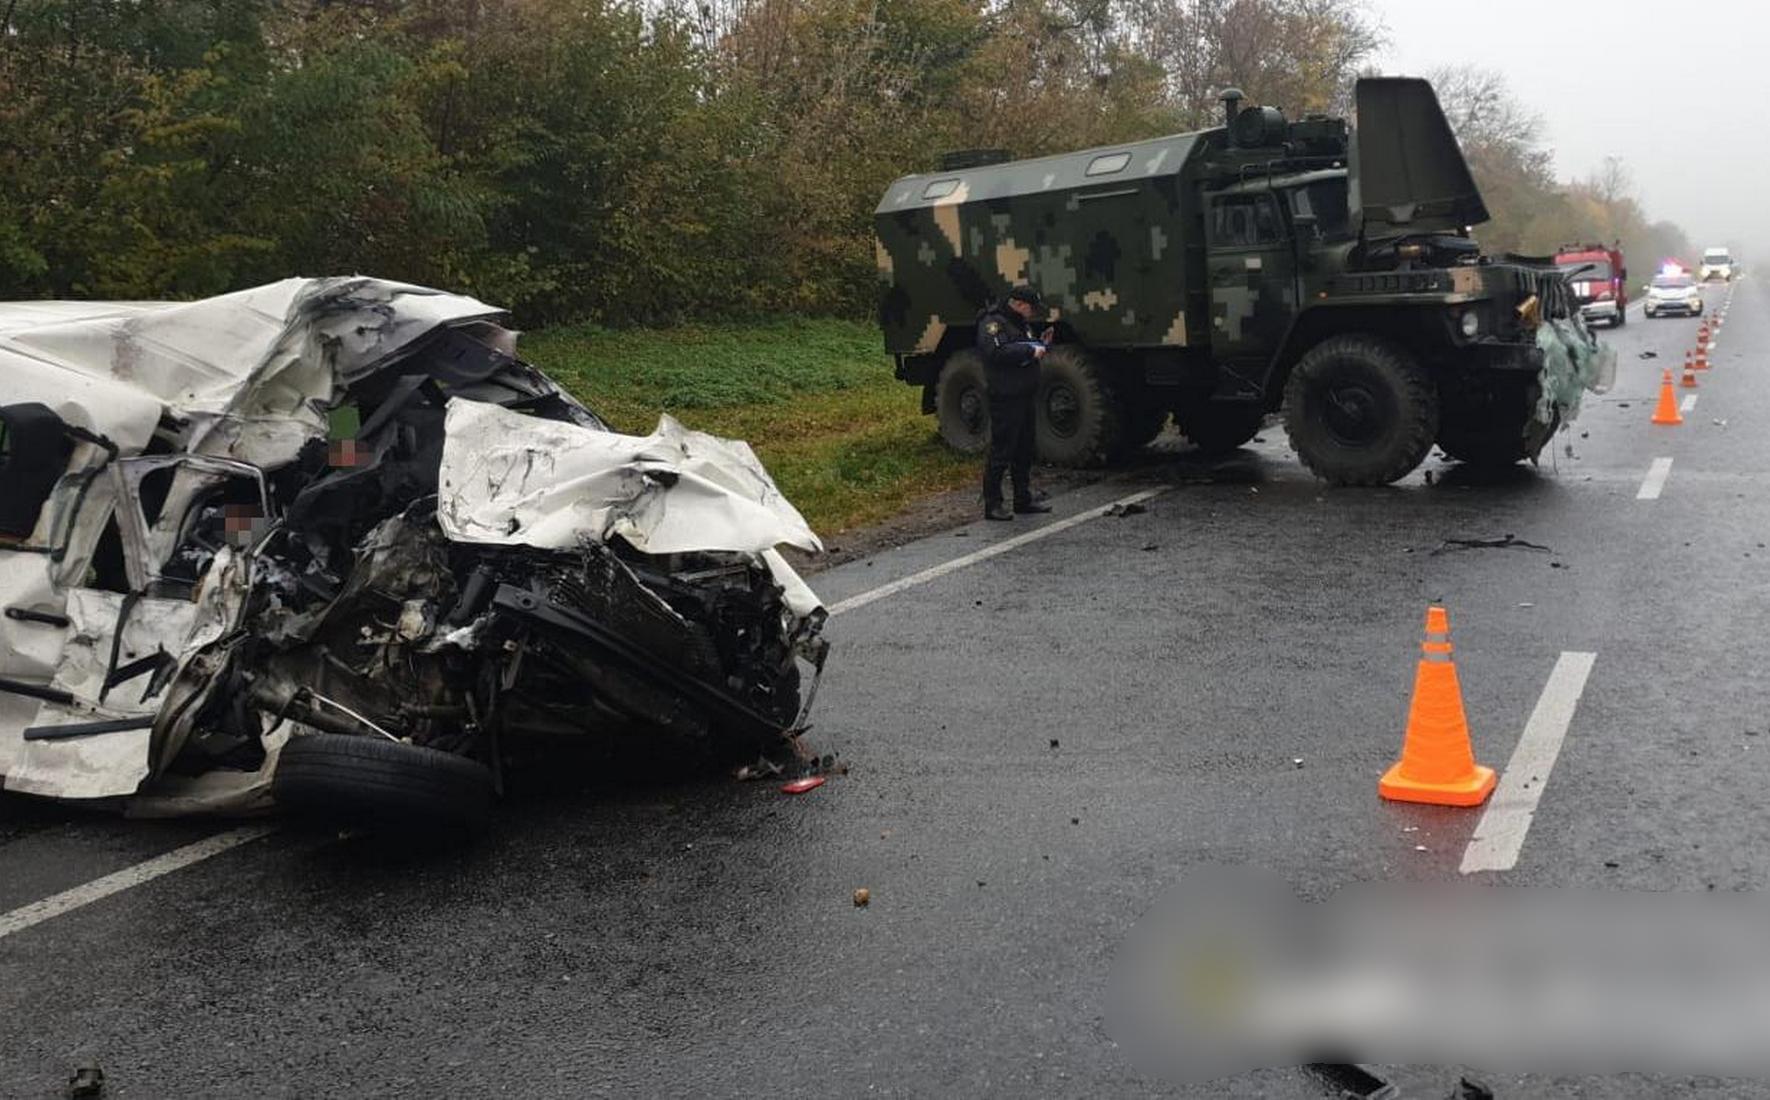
1702,336
1689,379
1702,357
1667,412
1437,764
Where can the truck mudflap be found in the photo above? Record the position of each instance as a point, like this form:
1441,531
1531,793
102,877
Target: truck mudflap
1573,362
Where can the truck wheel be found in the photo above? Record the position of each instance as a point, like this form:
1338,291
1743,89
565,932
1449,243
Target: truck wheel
369,779
1360,411
1218,427
1078,420
961,404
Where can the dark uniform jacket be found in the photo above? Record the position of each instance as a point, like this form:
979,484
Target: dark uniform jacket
1005,342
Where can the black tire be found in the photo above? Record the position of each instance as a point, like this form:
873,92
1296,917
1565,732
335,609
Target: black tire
1218,427
1360,411
371,780
961,403
1078,418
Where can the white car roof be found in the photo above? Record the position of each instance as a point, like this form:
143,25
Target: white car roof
257,358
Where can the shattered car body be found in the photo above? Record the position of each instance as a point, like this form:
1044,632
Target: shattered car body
325,513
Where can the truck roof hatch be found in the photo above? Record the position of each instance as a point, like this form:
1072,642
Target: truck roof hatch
1408,173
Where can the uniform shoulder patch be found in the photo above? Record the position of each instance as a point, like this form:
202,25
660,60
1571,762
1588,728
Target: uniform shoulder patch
993,327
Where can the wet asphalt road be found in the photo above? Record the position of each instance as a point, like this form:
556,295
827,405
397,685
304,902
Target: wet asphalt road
1039,745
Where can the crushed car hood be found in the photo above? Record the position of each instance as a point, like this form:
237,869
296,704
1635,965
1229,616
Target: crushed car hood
648,563
512,479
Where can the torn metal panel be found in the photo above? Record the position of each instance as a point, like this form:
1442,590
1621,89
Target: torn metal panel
100,765
509,479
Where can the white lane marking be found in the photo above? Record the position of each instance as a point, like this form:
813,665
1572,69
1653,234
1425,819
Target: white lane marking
1500,835
100,888
941,570
1655,480
1688,404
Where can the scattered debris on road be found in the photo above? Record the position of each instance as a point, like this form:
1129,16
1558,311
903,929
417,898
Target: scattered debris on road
86,1083
329,544
862,898
1122,509
800,786
1503,542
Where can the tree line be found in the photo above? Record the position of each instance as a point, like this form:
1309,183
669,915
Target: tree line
624,161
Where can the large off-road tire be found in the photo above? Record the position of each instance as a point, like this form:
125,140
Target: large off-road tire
1360,411
1078,418
1218,427
961,403
371,780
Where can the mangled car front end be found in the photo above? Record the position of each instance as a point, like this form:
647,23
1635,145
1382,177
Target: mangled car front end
330,544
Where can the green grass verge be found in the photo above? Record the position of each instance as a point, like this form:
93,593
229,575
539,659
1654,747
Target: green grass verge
846,442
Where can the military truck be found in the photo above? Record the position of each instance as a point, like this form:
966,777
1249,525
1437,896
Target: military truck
1217,276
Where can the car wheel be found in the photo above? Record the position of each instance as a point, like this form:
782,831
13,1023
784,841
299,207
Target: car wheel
1360,411
961,404
1078,419
1218,427
370,780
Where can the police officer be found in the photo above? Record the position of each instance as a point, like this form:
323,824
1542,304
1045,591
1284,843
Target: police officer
1011,355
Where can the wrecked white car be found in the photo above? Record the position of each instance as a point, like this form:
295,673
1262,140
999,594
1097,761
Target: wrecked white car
329,544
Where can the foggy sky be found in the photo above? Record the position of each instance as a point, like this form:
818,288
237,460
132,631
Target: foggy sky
1679,89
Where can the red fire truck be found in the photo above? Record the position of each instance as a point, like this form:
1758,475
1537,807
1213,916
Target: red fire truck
1599,279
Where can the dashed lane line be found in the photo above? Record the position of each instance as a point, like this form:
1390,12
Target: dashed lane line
1500,836
1655,481
1688,404
98,889
993,550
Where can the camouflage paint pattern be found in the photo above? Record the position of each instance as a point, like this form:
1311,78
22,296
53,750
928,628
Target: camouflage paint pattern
1102,249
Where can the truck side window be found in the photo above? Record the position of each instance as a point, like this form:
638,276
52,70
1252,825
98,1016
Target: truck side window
1244,221
1326,202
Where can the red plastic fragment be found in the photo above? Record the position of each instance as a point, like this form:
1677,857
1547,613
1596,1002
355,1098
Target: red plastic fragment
800,786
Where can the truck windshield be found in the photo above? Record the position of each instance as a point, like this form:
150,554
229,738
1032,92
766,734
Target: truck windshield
1595,271
1672,282
1716,261
1326,201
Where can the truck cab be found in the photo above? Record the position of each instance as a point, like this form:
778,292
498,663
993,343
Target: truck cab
1599,279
